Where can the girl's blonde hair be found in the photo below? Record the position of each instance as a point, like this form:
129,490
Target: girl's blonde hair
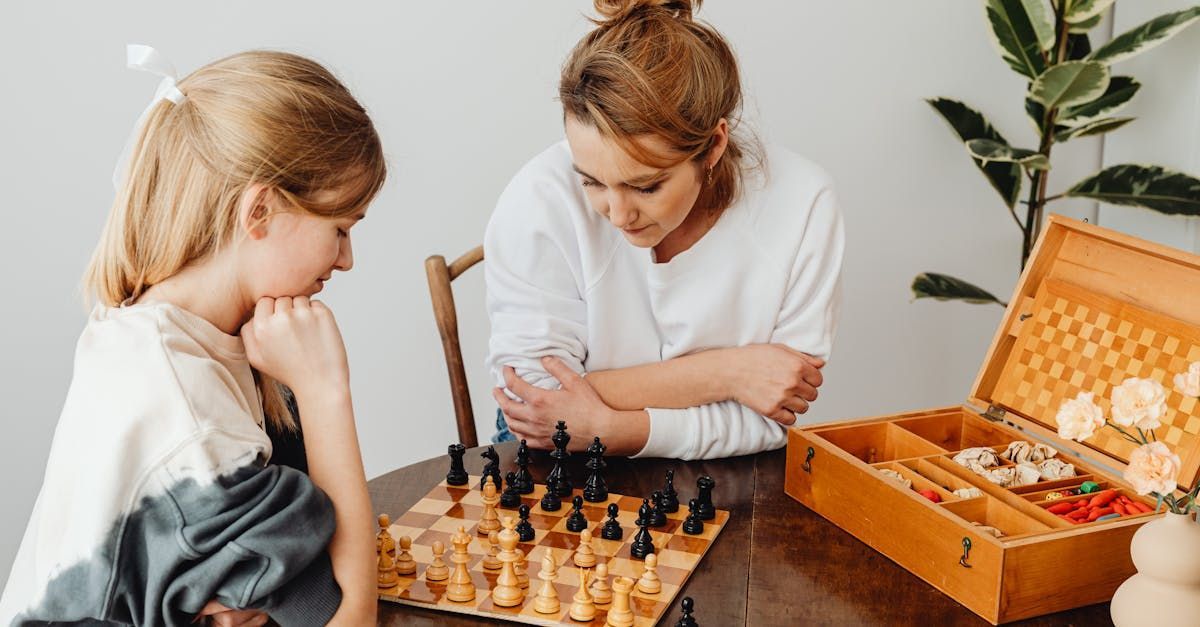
265,117
648,68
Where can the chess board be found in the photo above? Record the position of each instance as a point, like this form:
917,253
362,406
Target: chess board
1077,341
440,513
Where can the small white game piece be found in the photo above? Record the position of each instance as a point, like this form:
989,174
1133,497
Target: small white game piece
585,555
650,583
584,608
547,597
438,570
601,592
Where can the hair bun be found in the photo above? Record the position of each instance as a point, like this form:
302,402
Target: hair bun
617,10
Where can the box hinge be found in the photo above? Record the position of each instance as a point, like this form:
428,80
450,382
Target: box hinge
994,413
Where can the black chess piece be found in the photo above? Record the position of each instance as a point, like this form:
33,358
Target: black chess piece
658,517
693,526
685,618
704,504
595,489
510,497
642,544
670,496
559,481
576,521
524,479
491,468
458,472
612,529
524,529
550,501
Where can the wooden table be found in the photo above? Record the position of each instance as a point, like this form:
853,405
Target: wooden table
776,562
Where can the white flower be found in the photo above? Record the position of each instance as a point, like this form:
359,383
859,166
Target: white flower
1079,418
1188,383
1152,468
1139,403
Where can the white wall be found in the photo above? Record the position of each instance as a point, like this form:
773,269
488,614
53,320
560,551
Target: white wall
463,93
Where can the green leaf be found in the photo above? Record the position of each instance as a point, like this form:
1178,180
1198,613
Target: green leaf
943,287
1036,113
990,150
1015,35
1085,25
1083,10
1078,47
1042,20
969,124
1094,127
1146,36
1070,83
1149,186
1120,90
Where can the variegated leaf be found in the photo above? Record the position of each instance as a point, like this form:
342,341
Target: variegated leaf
944,287
1085,25
1095,127
1120,90
989,150
1042,20
1145,37
1070,83
1152,186
1015,36
969,124
1082,10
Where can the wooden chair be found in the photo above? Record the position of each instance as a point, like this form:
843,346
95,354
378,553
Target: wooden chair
440,275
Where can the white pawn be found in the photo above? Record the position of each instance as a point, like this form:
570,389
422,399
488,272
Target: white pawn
405,564
585,555
438,570
601,592
547,597
492,560
650,583
491,520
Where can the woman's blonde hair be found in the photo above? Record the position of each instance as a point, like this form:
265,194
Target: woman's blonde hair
270,118
648,68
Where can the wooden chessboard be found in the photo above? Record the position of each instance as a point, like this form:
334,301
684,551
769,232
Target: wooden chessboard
1077,341
441,512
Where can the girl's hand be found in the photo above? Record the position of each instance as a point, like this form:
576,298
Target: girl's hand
222,616
533,415
774,380
297,342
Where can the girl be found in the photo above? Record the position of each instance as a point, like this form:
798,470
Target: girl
691,277
159,501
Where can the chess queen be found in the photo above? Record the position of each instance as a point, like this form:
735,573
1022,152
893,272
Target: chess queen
234,206
691,273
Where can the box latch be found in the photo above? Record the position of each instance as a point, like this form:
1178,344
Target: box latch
994,413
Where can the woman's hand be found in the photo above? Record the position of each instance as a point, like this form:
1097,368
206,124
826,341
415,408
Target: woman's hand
533,415
774,380
222,616
297,342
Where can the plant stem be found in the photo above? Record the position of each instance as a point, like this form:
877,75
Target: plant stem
1037,189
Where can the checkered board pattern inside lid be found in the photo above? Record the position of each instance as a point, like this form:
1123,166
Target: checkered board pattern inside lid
441,512
1077,341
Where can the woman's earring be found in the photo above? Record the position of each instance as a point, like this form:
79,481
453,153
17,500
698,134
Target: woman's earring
708,176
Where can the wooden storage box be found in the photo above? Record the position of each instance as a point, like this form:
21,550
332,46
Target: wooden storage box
1092,308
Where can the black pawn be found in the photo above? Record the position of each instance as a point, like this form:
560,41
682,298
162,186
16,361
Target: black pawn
550,501
693,526
612,529
510,497
658,517
643,544
458,473
704,504
670,496
559,481
524,529
491,468
686,619
524,479
576,521
595,490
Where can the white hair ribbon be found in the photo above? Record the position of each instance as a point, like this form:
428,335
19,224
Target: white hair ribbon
146,59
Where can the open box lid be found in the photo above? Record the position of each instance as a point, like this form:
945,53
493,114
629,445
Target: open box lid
1093,308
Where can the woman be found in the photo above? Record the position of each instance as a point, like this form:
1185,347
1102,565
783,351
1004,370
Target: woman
692,276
